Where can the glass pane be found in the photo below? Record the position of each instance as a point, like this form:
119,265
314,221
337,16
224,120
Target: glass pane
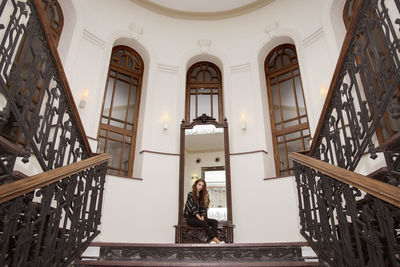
193,114
127,139
215,107
275,100
124,77
107,101
130,63
286,60
282,156
114,135
204,91
296,145
131,108
125,162
306,132
204,105
288,101
129,127
291,123
117,123
103,132
114,150
104,120
120,100
299,94
207,76
100,145
293,135
122,61
284,76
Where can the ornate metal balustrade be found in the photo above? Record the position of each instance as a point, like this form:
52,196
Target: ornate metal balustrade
365,92
51,225
342,224
39,111
345,225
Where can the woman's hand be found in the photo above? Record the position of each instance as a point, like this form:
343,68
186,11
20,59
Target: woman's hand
202,218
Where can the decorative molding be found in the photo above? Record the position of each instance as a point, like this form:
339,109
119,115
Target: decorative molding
313,37
240,68
204,46
167,68
249,152
258,4
271,29
93,39
159,152
136,31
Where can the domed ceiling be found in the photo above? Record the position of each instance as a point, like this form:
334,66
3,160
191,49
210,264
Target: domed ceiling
202,9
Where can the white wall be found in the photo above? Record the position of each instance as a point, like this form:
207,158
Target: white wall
145,211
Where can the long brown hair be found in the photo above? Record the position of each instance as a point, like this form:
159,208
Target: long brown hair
203,198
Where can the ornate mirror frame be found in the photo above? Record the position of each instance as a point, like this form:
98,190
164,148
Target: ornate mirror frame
203,120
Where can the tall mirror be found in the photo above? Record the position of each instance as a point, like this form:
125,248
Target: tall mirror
205,154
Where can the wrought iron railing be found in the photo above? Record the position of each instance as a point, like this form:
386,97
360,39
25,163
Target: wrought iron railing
39,111
346,217
364,96
50,218
344,225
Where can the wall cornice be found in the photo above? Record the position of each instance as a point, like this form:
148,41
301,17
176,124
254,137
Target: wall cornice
202,15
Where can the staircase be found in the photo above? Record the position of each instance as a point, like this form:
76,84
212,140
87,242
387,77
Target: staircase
273,254
50,219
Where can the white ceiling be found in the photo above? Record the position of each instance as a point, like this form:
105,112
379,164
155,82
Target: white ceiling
202,5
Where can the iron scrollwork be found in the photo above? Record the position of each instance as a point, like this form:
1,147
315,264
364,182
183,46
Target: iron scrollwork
54,224
36,99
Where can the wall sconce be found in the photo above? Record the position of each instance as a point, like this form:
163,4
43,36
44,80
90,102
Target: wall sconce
323,91
165,121
243,122
194,178
83,98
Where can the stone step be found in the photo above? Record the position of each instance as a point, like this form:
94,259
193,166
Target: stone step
237,254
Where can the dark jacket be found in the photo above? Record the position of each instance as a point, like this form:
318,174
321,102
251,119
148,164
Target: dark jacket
192,207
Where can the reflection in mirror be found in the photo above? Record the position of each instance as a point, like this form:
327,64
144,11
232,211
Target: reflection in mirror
205,158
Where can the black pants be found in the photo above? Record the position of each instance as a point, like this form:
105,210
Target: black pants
209,225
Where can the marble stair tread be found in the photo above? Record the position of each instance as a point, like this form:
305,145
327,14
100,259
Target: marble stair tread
234,254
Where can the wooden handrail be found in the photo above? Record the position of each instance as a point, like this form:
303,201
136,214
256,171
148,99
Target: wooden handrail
15,189
60,70
381,190
336,74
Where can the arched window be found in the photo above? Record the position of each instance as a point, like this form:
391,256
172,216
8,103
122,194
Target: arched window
118,122
204,92
55,17
289,121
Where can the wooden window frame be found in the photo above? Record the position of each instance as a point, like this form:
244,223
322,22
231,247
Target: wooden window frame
209,85
113,67
293,69
55,26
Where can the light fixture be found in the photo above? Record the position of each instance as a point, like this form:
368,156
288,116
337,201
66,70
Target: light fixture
83,98
243,121
194,178
165,121
323,91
